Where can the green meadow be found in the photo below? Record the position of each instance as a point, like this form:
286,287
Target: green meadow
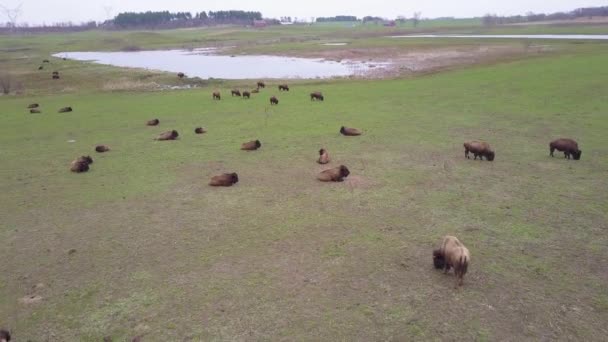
141,245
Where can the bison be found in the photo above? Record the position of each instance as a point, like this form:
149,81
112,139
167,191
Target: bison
274,101
102,148
255,91
200,130
40,67
316,96
217,95
33,105
65,110
235,92
479,149
81,164
453,254
153,122
5,336
351,132
284,87
181,75
251,145
226,179
568,146
336,174
323,156
46,61
35,111
55,77
261,84
55,72
169,135
246,94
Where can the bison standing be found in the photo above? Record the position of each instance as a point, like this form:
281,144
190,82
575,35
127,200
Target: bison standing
261,84
316,96
274,101
284,87
246,94
568,146
479,149
217,95
323,156
235,92
452,254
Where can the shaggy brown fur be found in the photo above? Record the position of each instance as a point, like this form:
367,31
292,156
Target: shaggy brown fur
456,256
33,105
246,94
200,130
274,101
251,145
217,95
336,174
323,156
351,132
235,92
181,75
255,91
102,148
479,149
65,110
284,87
568,146
261,85
226,179
153,122
169,135
5,336
316,96
81,164
35,111
55,72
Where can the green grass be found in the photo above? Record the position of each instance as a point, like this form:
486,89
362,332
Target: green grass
280,255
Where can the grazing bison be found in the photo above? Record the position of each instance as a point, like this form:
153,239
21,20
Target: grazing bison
40,67
102,148
323,156
479,149
455,255
226,179
216,95
65,110
153,122
81,164
235,92
33,105
46,61
246,94
336,174
255,91
55,77
55,72
316,96
5,336
261,84
568,146
200,130
251,145
283,87
274,101
351,132
181,75
169,135
35,111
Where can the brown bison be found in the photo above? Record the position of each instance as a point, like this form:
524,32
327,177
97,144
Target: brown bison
55,72
200,130
33,105
261,84
81,164
169,135
453,254
65,110
479,149
35,111
46,61
153,122
226,179
55,77
251,145
255,91
274,101
40,67
351,132
568,146
316,96
336,174
235,92
323,156
216,95
5,336
181,75
102,148
284,87
246,94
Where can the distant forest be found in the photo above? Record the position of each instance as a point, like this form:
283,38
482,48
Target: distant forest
492,19
166,19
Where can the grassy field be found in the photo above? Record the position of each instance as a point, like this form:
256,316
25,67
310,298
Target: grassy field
140,245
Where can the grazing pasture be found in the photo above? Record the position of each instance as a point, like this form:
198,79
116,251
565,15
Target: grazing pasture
141,245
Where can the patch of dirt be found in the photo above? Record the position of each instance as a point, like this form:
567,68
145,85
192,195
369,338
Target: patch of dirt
358,182
31,299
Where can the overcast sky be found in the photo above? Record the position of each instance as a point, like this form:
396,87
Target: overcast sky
51,11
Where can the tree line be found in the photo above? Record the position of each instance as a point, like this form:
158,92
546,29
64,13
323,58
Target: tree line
163,19
493,19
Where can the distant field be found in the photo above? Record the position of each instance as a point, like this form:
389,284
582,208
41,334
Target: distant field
140,245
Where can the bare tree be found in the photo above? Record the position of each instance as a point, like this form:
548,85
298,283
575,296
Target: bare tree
12,14
416,18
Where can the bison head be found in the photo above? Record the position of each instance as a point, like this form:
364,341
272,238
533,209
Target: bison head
258,144
490,155
438,259
234,178
321,151
577,155
344,172
174,134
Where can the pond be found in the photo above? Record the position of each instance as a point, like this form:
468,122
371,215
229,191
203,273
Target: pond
204,63
511,36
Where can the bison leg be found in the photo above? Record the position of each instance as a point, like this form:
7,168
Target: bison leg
551,149
466,154
566,155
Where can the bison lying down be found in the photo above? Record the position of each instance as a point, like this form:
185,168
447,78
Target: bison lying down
153,122
251,145
65,110
479,149
81,164
452,254
102,148
200,130
323,156
349,131
33,105
568,146
336,174
169,135
226,179
35,111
